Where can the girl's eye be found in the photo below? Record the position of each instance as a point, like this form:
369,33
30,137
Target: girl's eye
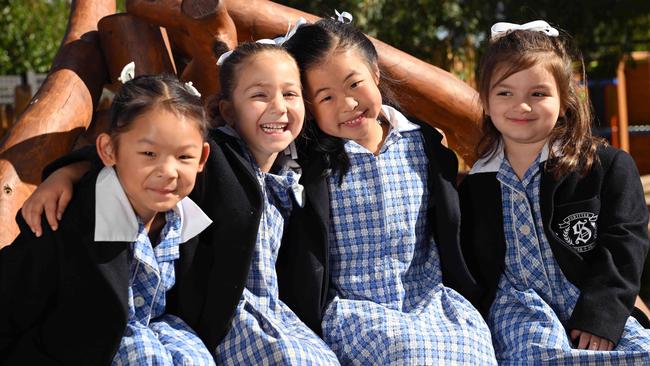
186,157
258,95
149,154
504,93
355,84
325,99
290,95
539,94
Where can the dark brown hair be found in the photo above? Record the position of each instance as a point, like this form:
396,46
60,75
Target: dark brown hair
522,49
145,92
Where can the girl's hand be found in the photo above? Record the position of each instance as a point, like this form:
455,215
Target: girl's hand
52,196
589,341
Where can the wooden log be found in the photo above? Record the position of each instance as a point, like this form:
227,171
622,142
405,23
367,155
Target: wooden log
126,38
204,30
57,114
426,92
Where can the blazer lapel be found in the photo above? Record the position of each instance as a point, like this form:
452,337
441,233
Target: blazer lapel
111,259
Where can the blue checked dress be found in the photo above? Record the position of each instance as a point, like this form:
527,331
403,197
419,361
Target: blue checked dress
534,300
264,330
389,305
152,337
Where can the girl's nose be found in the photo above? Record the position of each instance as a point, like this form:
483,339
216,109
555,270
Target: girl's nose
167,168
278,104
350,103
524,107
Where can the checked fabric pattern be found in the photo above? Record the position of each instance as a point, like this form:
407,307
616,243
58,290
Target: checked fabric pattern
534,300
389,305
264,330
152,337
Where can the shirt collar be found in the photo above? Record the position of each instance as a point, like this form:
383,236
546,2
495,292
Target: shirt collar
397,120
115,219
493,162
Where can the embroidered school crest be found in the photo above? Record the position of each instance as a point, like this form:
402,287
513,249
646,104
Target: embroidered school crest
579,231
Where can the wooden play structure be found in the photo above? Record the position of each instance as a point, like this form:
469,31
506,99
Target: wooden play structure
184,37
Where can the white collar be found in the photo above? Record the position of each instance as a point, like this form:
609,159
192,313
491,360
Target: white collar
492,163
397,120
115,219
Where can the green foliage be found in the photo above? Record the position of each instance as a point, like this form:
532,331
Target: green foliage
450,33
32,31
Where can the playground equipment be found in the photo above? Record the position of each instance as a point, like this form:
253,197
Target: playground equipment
184,37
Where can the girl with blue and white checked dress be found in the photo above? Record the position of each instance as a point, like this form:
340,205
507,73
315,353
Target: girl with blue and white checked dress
554,221
94,292
393,212
263,108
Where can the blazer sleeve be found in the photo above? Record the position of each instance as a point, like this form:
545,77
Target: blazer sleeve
28,274
612,281
467,226
85,153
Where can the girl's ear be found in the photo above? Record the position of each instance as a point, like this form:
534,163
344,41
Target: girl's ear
204,156
105,149
227,112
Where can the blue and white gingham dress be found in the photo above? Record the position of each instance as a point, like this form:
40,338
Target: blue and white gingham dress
389,305
152,337
264,330
534,300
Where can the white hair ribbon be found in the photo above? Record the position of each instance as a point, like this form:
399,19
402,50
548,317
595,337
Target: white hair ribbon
277,41
191,89
343,17
128,72
501,28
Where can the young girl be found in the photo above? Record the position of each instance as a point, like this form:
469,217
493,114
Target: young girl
394,215
261,103
251,191
554,222
98,291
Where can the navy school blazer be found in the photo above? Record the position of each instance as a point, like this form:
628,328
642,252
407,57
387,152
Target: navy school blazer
63,297
604,260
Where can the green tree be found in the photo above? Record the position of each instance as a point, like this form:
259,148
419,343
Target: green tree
450,33
32,31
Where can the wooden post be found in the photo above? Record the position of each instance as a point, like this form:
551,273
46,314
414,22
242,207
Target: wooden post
621,93
203,29
125,38
57,114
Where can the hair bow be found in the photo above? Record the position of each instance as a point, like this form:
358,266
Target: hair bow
191,89
501,28
128,72
343,17
277,41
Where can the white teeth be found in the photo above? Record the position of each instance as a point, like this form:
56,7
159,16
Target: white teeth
353,121
274,127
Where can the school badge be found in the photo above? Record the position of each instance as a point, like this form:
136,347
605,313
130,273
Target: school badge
579,231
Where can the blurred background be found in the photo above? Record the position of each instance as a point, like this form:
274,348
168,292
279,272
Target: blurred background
613,36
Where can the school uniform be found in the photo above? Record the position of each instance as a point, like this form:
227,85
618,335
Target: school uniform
94,292
264,329
393,233
229,192
554,255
